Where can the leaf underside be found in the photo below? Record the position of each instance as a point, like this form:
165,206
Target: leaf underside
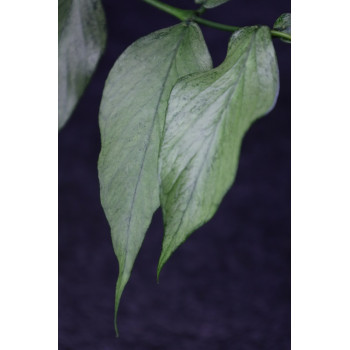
132,117
81,42
211,3
207,117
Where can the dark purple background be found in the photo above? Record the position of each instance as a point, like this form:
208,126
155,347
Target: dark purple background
228,286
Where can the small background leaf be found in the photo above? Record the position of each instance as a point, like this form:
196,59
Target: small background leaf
81,42
283,24
211,3
207,117
132,118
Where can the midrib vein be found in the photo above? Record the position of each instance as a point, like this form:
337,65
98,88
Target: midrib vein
148,143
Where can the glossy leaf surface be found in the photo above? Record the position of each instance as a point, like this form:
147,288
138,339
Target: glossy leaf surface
211,3
207,117
81,42
132,117
283,24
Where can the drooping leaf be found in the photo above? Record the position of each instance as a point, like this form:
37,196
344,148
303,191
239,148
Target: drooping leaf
211,3
132,117
207,117
283,24
81,41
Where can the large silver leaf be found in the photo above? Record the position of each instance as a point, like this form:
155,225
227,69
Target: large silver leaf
207,117
132,118
81,41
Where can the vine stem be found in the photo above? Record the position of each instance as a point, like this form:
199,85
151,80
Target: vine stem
182,15
281,35
192,15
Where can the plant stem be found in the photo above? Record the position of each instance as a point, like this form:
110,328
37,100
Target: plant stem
278,34
185,15
181,14
215,24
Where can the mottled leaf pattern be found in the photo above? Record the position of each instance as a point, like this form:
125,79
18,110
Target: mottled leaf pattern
81,41
132,118
207,117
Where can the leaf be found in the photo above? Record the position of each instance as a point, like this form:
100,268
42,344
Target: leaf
81,42
283,24
132,118
207,117
211,3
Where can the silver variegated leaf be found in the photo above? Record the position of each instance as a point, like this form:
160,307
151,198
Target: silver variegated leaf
132,118
207,117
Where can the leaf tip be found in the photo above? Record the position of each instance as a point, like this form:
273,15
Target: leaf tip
162,260
121,282
158,271
115,320
116,329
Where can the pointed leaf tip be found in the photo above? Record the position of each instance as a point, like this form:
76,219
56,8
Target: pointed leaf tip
158,272
121,283
161,264
164,257
116,331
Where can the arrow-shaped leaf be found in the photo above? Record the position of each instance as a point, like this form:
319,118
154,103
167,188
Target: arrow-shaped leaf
81,41
207,117
132,118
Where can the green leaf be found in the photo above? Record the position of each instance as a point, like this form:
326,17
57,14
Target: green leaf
132,117
207,117
283,24
211,3
81,42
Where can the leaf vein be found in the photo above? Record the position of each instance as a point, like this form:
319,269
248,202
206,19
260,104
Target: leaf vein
148,143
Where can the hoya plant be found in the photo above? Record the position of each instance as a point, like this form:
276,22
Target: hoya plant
171,124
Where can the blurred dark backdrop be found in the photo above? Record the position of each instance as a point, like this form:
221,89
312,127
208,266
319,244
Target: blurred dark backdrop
228,286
